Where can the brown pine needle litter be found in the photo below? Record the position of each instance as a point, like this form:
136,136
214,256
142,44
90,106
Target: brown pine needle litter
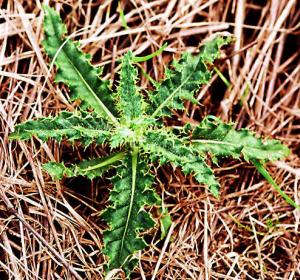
52,230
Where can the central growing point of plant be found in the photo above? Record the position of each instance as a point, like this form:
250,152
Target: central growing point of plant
131,123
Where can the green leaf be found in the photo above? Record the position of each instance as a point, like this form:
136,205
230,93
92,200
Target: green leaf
74,68
91,168
268,177
126,216
222,140
122,16
130,102
82,126
189,73
150,56
165,147
165,223
57,170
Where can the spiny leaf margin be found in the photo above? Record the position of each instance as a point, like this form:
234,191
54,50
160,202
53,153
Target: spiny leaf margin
82,126
74,68
131,192
222,140
129,100
164,146
189,73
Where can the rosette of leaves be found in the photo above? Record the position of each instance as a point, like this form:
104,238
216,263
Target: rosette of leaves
130,122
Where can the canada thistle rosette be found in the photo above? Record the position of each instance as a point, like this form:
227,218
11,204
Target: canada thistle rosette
130,122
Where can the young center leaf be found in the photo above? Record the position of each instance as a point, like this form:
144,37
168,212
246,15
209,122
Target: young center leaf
130,102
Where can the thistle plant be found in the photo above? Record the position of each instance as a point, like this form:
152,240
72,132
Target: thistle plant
131,123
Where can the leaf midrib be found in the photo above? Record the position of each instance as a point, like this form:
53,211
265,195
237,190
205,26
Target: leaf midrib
221,142
162,105
134,158
204,141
